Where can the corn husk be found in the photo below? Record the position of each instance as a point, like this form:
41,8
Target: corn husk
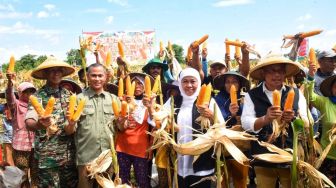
100,164
332,138
307,172
108,183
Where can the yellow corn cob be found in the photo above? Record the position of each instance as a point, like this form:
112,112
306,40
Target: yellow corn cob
237,50
227,47
121,49
207,95
50,106
131,94
108,59
128,85
11,65
189,54
289,100
201,95
124,108
79,110
170,48
234,43
121,88
310,33
148,88
161,46
312,56
233,94
37,106
72,103
276,98
115,108
156,84
201,40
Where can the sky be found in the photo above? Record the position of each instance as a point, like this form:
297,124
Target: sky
52,27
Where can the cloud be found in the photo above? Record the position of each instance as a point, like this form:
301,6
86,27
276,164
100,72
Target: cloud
109,19
8,12
48,12
301,26
7,7
122,3
331,32
49,7
96,10
227,3
42,14
304,17
53,36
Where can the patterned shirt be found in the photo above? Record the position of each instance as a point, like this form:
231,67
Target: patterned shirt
58,149
22,138
94,126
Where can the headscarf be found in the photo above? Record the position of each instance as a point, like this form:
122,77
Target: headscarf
189,72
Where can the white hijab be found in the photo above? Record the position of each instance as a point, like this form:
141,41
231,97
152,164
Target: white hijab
189,72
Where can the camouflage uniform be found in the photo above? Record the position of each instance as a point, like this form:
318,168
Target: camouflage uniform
56,153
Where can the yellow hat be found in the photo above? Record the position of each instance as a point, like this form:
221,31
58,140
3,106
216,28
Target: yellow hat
292,68
51,62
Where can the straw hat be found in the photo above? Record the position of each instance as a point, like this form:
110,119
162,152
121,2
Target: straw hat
219,80
51,62
326,85
292,68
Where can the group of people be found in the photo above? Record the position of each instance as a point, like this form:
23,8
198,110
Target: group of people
55,150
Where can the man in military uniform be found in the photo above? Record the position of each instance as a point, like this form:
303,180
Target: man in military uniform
54,144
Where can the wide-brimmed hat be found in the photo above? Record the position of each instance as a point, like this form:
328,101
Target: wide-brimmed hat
326,85
26,85
111,88
75,87
154,62
292,68
51,62
219,81
217,62
141,75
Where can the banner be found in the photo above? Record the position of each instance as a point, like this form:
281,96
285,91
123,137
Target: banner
138,45
303,49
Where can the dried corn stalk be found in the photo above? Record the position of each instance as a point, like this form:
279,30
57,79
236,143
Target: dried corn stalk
307,171
100,164
332,138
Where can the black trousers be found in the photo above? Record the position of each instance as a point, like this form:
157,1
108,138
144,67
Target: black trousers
189,180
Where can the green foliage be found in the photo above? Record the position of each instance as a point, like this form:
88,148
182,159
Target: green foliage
26,62
179,53
73,57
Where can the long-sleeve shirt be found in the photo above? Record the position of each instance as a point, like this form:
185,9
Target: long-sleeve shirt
22,138
248,116
184,120
328,110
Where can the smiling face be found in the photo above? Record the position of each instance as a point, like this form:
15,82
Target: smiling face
155,70
189,85
96,78
274,76
139,88
54,76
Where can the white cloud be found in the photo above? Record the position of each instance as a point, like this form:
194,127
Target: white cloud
42,14
109,19
227,3
304,17
53,36
96,10
122,3
331,32
7,11
7,7
49,7
301,26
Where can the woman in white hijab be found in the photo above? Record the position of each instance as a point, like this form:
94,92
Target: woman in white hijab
190,172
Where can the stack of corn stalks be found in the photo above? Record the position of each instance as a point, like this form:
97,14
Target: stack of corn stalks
100,168
332,138
308,175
